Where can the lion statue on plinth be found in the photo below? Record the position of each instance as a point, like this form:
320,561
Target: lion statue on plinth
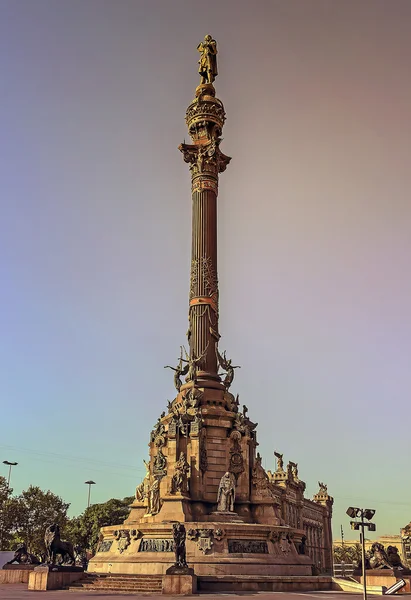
23,557
394,558
55,546
378,557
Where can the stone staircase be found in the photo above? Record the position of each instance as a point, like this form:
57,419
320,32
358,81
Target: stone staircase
118,584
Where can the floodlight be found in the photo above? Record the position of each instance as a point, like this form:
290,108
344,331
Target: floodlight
371,526
369,513
355,524
353,512
398,585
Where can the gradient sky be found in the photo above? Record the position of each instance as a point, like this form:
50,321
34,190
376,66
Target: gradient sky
314,236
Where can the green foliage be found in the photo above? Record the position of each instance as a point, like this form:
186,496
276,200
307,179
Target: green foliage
32,512
84,530
25,518
6,521
347,554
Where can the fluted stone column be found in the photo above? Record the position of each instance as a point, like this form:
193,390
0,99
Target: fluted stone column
205,119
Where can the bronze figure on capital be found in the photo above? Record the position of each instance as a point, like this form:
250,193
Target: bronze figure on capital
208,60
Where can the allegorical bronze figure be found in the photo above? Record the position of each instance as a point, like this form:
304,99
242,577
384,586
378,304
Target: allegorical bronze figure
208,60
280,461
193,362
179,371
226,364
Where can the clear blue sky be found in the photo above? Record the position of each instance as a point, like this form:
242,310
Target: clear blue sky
314,236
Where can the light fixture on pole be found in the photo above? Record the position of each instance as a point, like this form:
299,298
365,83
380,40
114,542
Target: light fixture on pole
89,483
367,514
10,465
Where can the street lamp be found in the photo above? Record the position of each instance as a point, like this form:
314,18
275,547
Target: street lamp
10,465
89,483
367,514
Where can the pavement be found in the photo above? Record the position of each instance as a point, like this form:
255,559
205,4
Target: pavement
17,591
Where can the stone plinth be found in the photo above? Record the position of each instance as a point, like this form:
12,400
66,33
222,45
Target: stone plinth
51,577
137,512
16,573
176,507
386,578
225,517
179,581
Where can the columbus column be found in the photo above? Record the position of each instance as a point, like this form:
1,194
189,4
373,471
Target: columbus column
203,470
205,118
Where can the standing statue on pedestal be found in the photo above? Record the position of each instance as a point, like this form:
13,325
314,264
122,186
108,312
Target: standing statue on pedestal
179,535
154,504
208,60
226,493
179,479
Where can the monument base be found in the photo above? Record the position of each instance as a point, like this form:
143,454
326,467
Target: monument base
52,577
212,548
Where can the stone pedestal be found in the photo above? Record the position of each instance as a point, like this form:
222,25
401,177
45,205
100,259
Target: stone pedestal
51,577
179,581
386,578
176,507
16,573
137,511
220,516
263,511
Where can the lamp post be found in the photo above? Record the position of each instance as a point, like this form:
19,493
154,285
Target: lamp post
367,514
89,483
10,465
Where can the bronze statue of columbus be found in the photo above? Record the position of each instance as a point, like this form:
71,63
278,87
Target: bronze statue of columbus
208,60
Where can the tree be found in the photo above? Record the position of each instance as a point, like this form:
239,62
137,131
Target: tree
32,512
347,554
84,530
6,527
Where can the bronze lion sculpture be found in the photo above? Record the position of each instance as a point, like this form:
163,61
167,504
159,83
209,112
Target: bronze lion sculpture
23,557
379,558
55,546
